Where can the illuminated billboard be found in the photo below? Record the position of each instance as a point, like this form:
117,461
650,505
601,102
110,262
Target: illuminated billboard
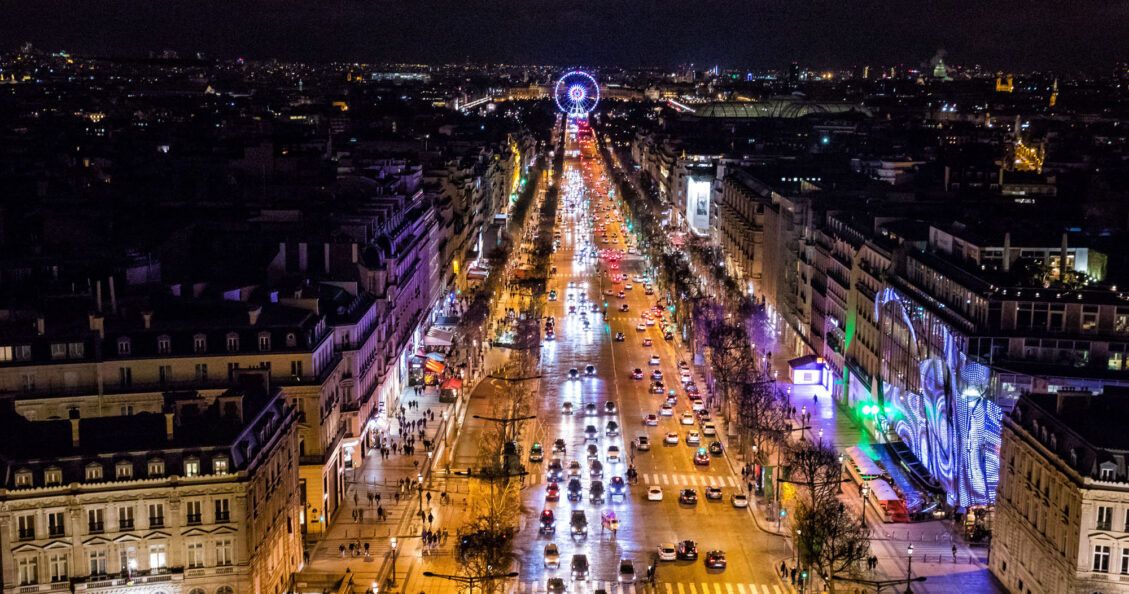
698,191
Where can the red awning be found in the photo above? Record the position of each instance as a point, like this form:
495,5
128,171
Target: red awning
434,366
452,383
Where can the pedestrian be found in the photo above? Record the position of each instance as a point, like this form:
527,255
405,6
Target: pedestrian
341,549
793,575
428,497
380,513
750,486
954,553
377,498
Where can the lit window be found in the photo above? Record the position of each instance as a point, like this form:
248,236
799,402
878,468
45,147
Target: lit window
123,346
23,478
219,465
264,341
192,467
53,476
94,471
199,343
156,467
164,344
232,342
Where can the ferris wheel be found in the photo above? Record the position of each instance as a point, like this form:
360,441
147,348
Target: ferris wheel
577,93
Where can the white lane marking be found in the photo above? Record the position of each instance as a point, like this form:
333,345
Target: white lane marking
741,589
664,480
670,589
717,588
728,588
680,590
693,589
775,588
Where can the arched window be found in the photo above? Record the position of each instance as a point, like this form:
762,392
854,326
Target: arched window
196,591
225,590
291,340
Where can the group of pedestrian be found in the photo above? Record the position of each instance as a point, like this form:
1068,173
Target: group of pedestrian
356,549
871,563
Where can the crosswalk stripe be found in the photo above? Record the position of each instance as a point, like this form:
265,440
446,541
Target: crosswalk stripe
717,588
693,589
705,588
741,589
664,480
670,589
728,588
680,589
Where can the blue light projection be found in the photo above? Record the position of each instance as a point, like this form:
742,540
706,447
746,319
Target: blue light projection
944,414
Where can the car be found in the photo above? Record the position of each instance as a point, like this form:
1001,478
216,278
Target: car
683,364
617,486
619,337
701,457
621,295
611,429
555,470
693,438
553,295
536,452
685,376
552,555
715,560
548,522
703,413
687,550
627,287
609,407
642,443
578,523
553,492
715,448
648,342
571,308
590,409
559,446
657,387
566,408
641,327
687,418
671,438
580,566
667,552
709,430
667,409
626,571
654,360
657,374
573,373
574,468
556,585
739,500
596,492
654,493
713,493
637,374
613,454
691,388
549,335
651,420
649,291
650,322
575,489
591,433
572,284
596,469
668,335
696,405
624,307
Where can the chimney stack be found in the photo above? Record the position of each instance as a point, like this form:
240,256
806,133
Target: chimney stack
74,416
1062,259
113,297
98,324
1007,251
253,313
98,295
147,318
170,424
40,325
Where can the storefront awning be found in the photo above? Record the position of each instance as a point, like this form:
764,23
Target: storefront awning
437,356
434,366
453,383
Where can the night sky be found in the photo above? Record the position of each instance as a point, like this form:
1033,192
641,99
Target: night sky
1075,34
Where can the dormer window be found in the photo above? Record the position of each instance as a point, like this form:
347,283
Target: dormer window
124,346
53,476
1107,471
1054,442
164,344
219,465
1074,458
199,343
232,342
94,471
191,467
23,477
123,470
264,341
291,340
156,467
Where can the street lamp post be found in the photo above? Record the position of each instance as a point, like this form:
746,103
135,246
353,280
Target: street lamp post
909,569
446,427
392,543
840,474
796,549
419,485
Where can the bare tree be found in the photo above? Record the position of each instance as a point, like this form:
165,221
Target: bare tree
816,468
762,412
830,539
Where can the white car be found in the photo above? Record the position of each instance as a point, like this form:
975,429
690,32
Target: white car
685,376
671,438
654,360
740,500
650,322
692,438
667,410
613,454
654,493
627,287
651,420
687,418
667,552
697,405
709,430
641,327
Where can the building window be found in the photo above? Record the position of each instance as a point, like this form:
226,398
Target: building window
60,567
97,562
1101,558
1116,361
232,342
1125,561
58,350
76,350
194,512
25,525
197,591
156,515
199,343
94,471
296,368
1107,471
264,341
1105,517
23,478
223,510
125,518
56,524
225,552
53,476
291,340
202,372
95,522
123,346
125,410
156,467
192,467
28,570
6,354
164,344
164,374
225,590
125,377
123,470
195,556
219,465
158,557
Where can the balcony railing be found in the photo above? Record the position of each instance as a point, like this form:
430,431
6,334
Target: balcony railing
157,522
96,527
26,534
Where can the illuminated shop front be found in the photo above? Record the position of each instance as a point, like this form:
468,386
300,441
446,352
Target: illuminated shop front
935,399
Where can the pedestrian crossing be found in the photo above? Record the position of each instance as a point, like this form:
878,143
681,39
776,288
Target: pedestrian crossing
669,480
528,587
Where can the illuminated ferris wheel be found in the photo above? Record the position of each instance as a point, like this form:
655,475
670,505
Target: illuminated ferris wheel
577,94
